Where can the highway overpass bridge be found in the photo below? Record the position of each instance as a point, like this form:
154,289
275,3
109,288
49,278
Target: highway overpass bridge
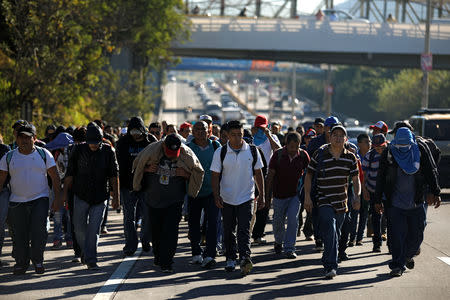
310,41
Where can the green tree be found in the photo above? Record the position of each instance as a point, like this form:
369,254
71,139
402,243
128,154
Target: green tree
401,96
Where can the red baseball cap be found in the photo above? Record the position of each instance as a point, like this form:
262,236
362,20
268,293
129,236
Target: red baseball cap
185,125
261,121
380,125
310,133
173,145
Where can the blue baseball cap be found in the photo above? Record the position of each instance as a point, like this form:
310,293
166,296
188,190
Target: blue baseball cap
330,121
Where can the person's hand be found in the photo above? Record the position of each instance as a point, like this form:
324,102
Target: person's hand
219,201
260,202
308,204
151,168
366,195
115,204
379,208
182,173
268,201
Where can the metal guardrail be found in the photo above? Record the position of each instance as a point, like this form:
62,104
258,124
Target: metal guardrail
235,24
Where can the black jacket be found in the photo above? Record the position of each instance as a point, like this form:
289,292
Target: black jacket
127,150
426,179
91,171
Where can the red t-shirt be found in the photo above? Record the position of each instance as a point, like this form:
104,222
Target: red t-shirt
287,172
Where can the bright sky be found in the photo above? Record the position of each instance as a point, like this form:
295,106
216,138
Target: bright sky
308,6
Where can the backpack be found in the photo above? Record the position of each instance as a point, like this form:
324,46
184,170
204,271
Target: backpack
40,150
223,153
432,150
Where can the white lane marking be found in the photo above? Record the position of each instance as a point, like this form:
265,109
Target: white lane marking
108,290
445,259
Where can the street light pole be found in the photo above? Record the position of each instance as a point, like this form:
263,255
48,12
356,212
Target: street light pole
426,80
294,91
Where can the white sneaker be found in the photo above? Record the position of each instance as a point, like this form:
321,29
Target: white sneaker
196,260
231,265
208,262
330,274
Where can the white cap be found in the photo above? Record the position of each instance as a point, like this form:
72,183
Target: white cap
206,118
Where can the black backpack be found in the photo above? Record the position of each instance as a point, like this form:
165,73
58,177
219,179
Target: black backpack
433,151
223,153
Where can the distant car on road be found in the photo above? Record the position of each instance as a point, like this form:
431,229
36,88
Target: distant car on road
341,15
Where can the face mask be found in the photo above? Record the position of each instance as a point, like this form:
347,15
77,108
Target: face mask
135,132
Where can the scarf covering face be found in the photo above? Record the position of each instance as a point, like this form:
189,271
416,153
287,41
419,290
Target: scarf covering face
260,137
405,150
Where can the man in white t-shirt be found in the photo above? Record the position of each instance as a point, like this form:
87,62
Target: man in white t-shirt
28,166
235,168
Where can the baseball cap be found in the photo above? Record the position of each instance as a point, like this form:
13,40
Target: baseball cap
27,129
173,144
379,140
331,121
19,123
401,124
206,118
319,121
261,121
310,133
185,125
338,127
94,134
380,125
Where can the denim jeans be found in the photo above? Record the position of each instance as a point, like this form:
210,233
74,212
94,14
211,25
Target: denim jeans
29,222
130,203
165,226
357,228
58,217
330,224
407,227
4,202
87,221
345,233
240,215
219,230
282,208
195,206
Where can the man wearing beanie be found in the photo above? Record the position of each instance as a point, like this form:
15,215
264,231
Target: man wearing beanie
128,147
91,167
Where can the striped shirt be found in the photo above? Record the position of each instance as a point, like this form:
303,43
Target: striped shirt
332,178
370,165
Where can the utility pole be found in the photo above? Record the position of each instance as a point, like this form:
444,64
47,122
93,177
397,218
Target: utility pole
294,91
222,8
426,80
384,11
293,9
367,9
258,8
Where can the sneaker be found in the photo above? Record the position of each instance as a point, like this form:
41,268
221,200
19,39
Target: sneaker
397,272
231,265
39,268
196,260
291,255
308,238
319,246
57,245
342,257
376,249
69,244
330,274
259,241
93,266
384,237
409,263
359,243
19,270
104,230
278,248
146,247
351,244
246,266
75,259
208,262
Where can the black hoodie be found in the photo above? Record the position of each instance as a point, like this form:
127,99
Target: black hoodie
128,149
